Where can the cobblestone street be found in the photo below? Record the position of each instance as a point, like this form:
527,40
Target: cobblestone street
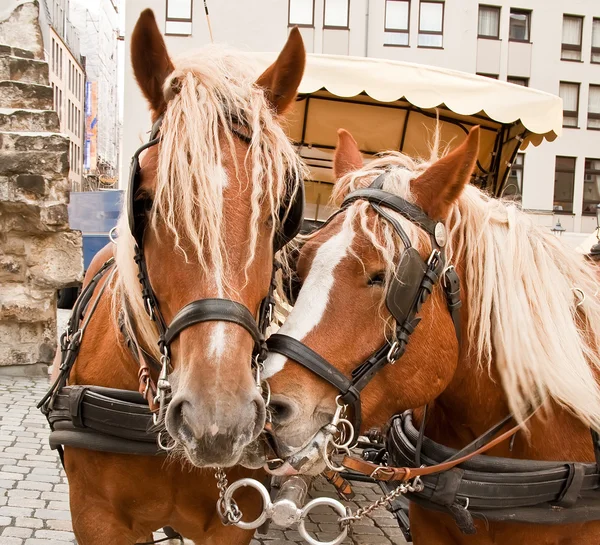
34,506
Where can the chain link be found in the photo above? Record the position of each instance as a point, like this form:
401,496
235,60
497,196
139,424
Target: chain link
404,488
229,513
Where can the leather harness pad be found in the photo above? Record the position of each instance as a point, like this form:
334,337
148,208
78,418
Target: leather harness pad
404,288
500,489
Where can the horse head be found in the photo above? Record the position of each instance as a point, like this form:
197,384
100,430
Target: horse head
211,206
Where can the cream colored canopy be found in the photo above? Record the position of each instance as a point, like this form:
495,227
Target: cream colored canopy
393,105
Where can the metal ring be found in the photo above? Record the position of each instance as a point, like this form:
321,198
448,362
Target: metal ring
336,505
112,235
160,443
349,428
580,295
264,493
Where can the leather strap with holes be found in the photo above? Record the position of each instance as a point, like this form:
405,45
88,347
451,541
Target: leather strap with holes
387,473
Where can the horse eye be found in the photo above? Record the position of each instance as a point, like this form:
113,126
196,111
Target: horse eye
377,279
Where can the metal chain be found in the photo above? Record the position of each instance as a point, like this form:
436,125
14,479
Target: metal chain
404,488
230,514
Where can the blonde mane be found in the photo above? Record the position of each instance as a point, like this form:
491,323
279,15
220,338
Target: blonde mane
522,291
208,94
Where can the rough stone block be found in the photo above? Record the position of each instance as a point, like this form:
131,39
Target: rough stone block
17,94
56,260
13,119
22,30
22,69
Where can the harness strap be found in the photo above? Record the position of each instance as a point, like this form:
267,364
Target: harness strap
382,198
297,351
212,310
387,473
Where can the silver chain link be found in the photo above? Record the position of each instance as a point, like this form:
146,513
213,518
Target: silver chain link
404,488
229,513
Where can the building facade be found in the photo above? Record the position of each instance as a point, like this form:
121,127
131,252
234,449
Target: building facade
544,44
97,23
67,79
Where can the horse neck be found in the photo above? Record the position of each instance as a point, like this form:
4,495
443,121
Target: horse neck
104,359
474,401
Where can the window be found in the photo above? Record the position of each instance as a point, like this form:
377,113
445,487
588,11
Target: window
591,186
60,104
53,57
564,182
491,76
593,121
69,114
524,82
336,13
60,62
569,92
179,17
520,25
514,185
596,41
431,24
571,38
397,17
70,74
489,22
301,13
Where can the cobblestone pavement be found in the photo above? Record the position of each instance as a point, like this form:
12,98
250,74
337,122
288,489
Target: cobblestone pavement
34,508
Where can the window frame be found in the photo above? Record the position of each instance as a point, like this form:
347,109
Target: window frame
304,25
395,30
332,27
519,78
178,20
592,115
597,48
520,11
573,47
484,36
572,113
585,173
432,32
556,169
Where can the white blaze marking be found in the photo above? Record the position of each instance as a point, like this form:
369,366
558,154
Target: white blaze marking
218,339
314,296
213,430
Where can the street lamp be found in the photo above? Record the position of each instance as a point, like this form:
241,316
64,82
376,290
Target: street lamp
558,229
595,249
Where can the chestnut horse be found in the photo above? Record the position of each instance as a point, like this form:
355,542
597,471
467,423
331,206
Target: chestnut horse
528,338
212,203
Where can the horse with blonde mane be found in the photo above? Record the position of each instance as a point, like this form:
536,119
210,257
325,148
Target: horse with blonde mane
215,188
527,346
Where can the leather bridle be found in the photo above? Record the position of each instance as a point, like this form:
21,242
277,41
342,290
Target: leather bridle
203,310
410,287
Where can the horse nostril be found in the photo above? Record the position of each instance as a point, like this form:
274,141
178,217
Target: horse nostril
283,409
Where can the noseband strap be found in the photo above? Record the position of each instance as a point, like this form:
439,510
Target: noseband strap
298,351
212,310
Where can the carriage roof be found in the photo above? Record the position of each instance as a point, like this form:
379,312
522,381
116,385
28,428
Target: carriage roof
393,105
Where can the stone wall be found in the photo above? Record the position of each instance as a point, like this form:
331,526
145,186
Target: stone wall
38,251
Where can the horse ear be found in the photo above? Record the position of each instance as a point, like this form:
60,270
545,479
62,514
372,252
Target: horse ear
347,157
150,60
281,80
442,183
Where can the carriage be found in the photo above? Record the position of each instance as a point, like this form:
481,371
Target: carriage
391,105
